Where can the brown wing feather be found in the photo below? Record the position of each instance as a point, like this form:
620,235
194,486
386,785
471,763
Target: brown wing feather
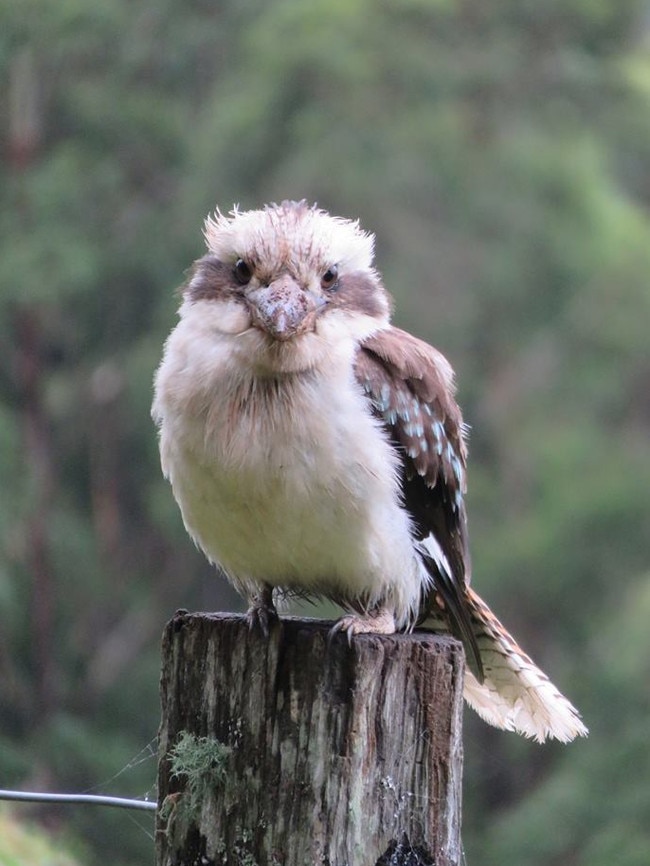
410,387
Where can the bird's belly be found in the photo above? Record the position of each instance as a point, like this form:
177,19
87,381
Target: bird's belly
286,529
283,492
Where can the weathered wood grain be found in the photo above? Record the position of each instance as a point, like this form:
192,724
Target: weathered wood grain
331,754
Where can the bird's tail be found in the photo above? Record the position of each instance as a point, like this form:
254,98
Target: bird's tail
515,694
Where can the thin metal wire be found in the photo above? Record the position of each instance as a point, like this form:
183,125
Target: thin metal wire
78,799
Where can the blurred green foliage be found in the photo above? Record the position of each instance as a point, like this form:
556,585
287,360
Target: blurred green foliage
28,845
501,152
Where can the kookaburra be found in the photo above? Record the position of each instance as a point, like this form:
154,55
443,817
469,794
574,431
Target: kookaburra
316,449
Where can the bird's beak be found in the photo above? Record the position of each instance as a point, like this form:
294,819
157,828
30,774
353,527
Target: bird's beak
283,309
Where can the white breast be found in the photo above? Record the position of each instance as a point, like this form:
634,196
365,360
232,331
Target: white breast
286,480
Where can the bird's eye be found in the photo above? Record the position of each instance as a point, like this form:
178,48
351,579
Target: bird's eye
242,272
329,278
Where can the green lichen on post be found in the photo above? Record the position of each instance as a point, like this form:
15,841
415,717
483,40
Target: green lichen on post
240,853
202,763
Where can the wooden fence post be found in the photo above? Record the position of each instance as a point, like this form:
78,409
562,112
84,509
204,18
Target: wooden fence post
294,750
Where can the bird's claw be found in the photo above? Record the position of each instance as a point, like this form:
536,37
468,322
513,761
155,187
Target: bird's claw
381,622
339,627
262,616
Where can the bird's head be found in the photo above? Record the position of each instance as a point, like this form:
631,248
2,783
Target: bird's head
289,279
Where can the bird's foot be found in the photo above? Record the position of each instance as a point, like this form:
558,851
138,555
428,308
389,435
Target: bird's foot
377,622
261,613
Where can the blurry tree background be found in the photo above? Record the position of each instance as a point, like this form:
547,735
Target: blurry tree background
501,153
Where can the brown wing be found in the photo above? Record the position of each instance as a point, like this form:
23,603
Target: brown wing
410,387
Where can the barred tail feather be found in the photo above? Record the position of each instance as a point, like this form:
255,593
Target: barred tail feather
515,694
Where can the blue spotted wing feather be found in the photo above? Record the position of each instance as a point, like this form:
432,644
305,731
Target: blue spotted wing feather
410,388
